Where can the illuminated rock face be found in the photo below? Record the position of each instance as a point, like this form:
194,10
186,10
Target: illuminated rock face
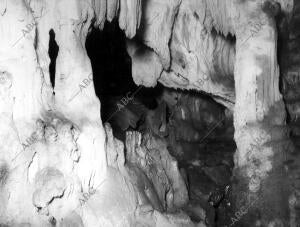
57,163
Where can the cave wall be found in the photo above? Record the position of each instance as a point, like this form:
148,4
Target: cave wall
188,47
229,51
59,166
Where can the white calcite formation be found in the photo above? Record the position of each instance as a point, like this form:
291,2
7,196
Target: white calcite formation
58,165
198,56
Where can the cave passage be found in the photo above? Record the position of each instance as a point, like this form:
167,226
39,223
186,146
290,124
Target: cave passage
191,117
113,82
198,131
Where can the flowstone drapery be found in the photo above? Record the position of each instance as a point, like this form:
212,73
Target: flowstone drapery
58,164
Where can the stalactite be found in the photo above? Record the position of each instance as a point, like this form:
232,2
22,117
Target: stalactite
100,11
112,7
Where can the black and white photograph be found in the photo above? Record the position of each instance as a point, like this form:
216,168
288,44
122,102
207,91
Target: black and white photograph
149,113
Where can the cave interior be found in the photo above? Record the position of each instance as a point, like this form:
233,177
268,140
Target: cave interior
124,113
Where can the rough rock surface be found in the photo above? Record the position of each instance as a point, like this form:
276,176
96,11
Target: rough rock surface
229,51
59,166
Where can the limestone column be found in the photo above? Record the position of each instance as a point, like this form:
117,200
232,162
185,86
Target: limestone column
75,96
20,105
260,185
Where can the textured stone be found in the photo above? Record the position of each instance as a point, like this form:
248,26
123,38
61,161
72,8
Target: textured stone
56,159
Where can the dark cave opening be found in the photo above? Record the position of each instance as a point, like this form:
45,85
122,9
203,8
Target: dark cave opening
53,50
112,78
197,130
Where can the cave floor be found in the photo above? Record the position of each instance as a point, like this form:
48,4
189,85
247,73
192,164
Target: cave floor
208,167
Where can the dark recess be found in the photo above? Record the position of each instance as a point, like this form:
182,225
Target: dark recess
111,67
53,52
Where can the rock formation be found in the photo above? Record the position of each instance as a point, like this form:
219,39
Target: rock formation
61,166
240,73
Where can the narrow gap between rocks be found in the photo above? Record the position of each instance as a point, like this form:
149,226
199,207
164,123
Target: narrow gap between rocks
53,52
